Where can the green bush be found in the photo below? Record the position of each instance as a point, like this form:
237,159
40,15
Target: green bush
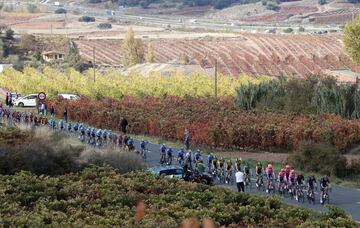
288,30
104,26
320,158
87,19
270,5
60,11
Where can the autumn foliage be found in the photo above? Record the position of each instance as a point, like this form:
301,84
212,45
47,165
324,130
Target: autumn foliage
213,123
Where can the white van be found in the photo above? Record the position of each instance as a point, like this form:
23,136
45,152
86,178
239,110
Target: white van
68,96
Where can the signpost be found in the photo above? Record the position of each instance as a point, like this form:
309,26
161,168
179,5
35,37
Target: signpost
42,96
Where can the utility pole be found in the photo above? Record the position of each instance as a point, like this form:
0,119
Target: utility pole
216,89
94,62
51,29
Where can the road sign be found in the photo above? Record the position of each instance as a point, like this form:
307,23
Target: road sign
42,96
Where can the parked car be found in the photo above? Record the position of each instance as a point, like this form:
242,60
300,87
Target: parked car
26,101
68,96
170,171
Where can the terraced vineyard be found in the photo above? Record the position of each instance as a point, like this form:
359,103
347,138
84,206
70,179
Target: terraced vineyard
253,54
339,16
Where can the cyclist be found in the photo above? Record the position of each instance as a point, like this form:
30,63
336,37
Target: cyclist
270,175
98,137
210,161
104,136
259,172
169,153
162,154
299,183
228,170
82,134
324,186
143,144
287,171
292,182
188,159
281,178
238,163
200,167
197,157
88,134
130,144
311,181
215,164
247,173
76,127
62,126
180,156
69,127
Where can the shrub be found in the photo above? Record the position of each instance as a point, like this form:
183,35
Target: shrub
87,19
301,29
42,151
100,197
104,26
288,30
60,11
319,157
9,34
270,5
213,123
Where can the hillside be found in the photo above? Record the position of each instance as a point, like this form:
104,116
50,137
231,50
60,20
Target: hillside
253,54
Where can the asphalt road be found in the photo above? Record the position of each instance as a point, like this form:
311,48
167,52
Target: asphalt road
346,198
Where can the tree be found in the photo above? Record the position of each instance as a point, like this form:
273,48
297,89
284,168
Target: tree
150,54
60,11
9,34
28,42
133,49
352,39
1,49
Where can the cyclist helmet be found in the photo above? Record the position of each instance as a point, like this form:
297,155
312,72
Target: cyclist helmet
288,167
282,170
269,166
292,171
259,164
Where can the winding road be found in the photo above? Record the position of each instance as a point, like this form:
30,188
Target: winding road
346,198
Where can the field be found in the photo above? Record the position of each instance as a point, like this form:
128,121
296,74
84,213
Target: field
252,54
284,13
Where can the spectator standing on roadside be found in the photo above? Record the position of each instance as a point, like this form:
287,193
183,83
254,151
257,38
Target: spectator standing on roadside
123,124
65,114
240,177
7,99
52,111
42,108
187,139
45,108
